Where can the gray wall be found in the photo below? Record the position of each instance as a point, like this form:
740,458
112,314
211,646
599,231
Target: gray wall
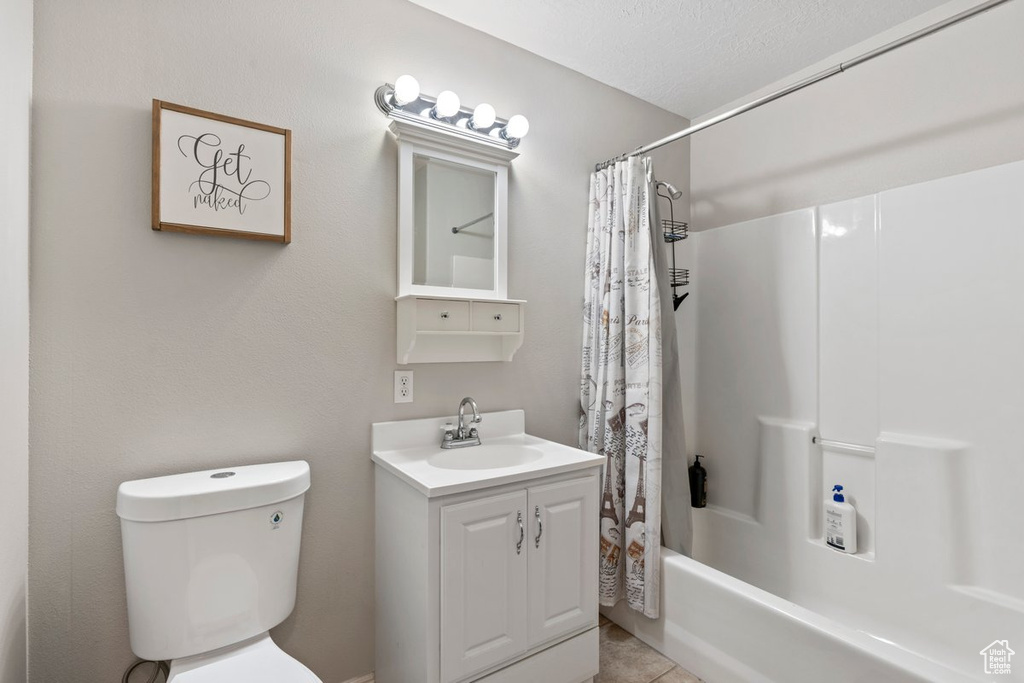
949,103
15,105
156,353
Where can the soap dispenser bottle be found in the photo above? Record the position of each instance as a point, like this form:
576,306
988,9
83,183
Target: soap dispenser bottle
698,484
840,522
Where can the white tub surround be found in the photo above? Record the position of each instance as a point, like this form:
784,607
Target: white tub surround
484,574
873,343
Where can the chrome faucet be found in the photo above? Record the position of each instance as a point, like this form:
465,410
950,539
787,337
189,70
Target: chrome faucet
465,434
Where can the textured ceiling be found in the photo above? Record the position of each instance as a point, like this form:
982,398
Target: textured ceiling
687,56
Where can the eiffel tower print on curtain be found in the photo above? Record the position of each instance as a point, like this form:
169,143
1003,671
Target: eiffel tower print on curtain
608,500
638,513
615,438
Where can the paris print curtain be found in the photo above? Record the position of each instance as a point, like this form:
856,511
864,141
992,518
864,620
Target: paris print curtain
620,391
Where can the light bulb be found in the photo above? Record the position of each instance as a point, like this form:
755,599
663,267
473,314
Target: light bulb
517,127
407,89
447,105
483,116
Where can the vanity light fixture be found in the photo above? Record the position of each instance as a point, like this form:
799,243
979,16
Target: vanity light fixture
447,105
483,117
407,89
516,128
403,100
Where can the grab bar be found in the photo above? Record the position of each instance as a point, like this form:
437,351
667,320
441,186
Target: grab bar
844,446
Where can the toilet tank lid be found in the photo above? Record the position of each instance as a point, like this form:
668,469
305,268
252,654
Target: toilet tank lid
211,492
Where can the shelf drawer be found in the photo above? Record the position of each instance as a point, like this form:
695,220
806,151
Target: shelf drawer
490,317
439,316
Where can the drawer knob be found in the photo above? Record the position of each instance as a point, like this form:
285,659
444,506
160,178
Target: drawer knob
497,316
444,315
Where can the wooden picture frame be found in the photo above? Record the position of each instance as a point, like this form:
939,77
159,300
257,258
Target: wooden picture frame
220,175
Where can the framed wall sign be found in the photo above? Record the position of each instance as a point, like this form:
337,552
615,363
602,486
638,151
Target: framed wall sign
218,175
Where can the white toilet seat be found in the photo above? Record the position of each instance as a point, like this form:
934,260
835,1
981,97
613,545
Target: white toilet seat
257,660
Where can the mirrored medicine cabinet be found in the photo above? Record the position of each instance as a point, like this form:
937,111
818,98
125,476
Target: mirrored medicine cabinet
452,301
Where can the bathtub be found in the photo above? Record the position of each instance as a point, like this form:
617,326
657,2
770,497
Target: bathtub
728,631
766,600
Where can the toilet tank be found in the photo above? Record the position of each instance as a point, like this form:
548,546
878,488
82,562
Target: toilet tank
210,558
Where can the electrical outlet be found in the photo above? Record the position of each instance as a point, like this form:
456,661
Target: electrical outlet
403,386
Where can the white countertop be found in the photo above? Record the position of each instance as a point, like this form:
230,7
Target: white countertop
405,447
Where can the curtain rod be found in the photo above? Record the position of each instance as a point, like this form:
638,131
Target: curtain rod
810,80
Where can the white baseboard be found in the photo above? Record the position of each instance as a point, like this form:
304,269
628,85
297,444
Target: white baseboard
368,678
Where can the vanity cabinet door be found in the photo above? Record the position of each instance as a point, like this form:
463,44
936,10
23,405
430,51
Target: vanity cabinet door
484,546
563,558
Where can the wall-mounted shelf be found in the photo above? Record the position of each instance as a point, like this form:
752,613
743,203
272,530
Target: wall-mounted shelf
458,330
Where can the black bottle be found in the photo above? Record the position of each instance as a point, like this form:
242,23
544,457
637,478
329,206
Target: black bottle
698,484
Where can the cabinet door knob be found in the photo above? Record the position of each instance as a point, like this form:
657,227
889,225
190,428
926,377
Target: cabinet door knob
522,533
444,315
540,527
497,316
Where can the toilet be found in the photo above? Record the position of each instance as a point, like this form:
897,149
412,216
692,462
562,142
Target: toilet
211,564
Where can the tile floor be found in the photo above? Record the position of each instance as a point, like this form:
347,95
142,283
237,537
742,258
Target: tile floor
624,659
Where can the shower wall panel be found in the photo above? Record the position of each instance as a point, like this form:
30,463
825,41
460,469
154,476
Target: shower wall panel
756,344
952,348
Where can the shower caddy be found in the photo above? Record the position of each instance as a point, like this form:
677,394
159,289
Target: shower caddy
674,231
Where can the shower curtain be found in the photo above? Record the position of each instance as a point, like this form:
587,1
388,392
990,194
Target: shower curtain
621,393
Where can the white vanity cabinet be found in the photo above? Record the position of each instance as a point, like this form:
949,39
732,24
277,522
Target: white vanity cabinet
484,575
518,570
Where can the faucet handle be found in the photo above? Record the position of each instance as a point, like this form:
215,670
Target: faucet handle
449,431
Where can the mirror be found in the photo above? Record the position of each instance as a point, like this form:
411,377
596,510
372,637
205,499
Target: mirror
452,215
453,224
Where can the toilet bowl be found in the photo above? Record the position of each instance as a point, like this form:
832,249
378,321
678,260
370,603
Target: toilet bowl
211,565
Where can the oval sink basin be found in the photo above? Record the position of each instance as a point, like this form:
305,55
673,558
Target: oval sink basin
485,457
